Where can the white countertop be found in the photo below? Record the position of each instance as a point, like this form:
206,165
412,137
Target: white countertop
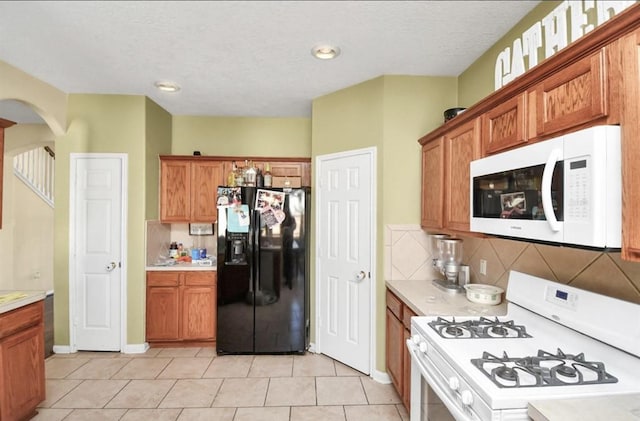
618,408
425,299
22,298
182,266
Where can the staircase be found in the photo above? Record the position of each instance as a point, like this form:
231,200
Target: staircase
36,169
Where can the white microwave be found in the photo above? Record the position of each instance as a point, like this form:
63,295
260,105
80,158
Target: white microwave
563,190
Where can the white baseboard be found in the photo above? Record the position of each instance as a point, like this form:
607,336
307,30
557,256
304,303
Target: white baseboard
380,376
127,349
135,348
62,349
312,348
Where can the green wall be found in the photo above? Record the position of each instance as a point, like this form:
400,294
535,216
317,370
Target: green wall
390,113
158,127
242,136
478,80
108,124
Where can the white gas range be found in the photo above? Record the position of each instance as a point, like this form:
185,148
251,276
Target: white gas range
554,342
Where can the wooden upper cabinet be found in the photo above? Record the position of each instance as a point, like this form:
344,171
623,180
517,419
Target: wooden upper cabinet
573,96
462,145
630,116
175,191
432,184
504,126
206,176
188,190
292,169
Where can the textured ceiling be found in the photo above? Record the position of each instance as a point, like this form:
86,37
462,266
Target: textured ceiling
243,58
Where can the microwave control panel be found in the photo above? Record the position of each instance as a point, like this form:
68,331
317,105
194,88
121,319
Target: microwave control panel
578,189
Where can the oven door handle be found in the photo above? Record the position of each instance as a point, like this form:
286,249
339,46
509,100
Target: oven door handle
438,387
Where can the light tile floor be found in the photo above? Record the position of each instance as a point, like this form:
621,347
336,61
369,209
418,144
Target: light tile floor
169,384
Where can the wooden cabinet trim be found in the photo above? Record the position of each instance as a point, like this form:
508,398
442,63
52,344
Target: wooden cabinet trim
239,159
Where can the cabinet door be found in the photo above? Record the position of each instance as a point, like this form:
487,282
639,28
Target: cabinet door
432,184
395,350
175,191
631,148
198,312
462,145
573,96
163,315
503,127
206,176
22,377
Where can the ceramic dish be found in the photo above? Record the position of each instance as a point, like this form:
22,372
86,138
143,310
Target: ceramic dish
484,294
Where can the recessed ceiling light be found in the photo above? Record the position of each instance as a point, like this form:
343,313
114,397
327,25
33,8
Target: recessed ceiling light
325,52
167,86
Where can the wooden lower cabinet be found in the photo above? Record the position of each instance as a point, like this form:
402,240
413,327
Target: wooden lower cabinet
22,380
398,359
181,307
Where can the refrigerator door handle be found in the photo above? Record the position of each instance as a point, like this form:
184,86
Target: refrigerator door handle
256,248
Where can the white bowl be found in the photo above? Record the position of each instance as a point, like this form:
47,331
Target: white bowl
484,294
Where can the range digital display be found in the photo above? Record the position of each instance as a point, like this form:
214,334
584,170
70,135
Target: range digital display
562,295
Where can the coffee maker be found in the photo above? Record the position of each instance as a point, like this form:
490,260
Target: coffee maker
447,253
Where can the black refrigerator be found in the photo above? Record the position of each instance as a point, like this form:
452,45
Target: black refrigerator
263,270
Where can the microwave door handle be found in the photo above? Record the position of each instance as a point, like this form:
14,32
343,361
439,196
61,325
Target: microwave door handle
547,202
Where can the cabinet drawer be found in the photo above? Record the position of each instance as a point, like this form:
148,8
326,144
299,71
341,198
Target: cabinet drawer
407,314
21,318
163,279
394,305
200,278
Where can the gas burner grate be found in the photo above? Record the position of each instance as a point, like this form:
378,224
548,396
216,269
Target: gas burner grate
481,328
544,369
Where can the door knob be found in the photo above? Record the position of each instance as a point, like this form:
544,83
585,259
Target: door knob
111,266
360,276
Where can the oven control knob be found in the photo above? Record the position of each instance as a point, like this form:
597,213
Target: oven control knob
423,347
416,339
467,397
454,383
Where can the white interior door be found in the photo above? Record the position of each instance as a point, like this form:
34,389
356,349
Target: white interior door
346,243
96,251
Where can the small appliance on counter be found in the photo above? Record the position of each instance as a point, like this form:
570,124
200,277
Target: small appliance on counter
447,260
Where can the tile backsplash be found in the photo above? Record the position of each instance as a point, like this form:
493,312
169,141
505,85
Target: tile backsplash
160,235
408,256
